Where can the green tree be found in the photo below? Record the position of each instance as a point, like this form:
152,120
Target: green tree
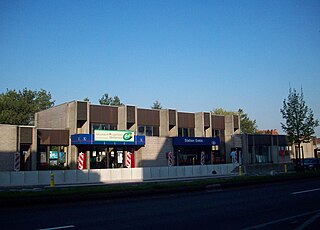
19,107
247,126
116,101
221,111
156,105
106,100
299,120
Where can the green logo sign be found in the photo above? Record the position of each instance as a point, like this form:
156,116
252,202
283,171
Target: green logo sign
127,136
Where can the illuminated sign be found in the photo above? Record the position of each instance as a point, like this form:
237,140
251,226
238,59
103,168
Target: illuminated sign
114,135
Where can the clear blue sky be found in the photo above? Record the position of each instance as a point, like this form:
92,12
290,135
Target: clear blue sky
189,55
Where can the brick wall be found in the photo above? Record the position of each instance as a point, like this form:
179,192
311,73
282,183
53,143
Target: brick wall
8,146
154,153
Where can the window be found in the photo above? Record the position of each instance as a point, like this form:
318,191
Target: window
148,130
218,133
103,127
262,154
185,132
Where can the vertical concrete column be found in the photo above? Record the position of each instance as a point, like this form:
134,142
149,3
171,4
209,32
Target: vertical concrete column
164,123
33,150
199,124
71,123
229,131
122,118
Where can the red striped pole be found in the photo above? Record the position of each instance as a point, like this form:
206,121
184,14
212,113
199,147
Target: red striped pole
128,160
80,161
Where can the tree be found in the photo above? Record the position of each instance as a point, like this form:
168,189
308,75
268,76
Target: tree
19,107
247,126
116,101
86,99
156,105
106,100
299,120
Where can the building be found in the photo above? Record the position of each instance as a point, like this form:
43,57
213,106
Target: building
100,136
269,148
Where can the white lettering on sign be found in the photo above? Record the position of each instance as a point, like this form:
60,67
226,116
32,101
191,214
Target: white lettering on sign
193,140
114,135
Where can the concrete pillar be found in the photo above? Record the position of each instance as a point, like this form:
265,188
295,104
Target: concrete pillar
33,150
164,123
199,124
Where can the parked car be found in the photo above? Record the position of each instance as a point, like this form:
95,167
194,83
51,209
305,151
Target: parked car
311,163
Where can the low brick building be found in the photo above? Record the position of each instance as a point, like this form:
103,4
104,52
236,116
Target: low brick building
117,136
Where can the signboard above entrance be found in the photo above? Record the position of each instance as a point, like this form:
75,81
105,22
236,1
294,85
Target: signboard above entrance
196,141
114,135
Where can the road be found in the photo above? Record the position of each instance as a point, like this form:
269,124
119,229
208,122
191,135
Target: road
290,205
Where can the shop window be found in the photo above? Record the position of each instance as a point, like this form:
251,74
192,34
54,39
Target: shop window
53,157
262,154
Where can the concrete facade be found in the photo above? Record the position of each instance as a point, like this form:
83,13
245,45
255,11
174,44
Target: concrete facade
76,118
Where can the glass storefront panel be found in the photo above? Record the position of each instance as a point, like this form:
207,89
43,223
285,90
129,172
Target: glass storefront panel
262,153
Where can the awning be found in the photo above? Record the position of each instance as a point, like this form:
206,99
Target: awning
88,139
196,141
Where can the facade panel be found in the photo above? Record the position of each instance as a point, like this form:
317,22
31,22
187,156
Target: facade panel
186,120
218,122
103,114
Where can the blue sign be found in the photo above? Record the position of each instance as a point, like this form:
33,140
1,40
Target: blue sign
196,141
88,139
53,155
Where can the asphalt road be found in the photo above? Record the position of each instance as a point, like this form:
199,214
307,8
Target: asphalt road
290,205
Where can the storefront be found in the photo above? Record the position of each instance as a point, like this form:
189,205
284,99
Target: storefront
195,150
53,149
109,148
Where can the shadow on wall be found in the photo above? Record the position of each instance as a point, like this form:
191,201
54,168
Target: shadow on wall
154,163
6,161
44,178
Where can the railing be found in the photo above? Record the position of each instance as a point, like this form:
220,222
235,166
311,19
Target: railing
64,177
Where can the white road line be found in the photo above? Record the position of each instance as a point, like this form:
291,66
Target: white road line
308,222
305,191
55,228
280,220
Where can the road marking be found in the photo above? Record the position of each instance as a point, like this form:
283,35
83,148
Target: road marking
305,191
281,220
308,222
55,228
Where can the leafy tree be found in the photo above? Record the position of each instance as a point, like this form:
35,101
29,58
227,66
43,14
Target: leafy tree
299,121
221,111
106,100
156,105
19,107
116,101
247,126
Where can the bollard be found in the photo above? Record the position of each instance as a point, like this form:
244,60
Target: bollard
51,180
240,171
